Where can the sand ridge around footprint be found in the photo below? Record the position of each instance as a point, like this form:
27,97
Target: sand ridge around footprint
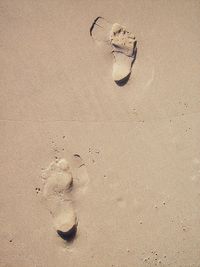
57,194
123,45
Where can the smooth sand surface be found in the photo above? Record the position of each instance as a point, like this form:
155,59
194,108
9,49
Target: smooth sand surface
140,143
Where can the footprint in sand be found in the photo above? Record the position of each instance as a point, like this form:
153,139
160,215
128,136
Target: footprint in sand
123,45
59,183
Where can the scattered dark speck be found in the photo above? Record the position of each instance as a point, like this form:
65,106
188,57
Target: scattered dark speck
37,189
68,236
10,240
63,136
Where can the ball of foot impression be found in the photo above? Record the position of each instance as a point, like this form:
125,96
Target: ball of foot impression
63,164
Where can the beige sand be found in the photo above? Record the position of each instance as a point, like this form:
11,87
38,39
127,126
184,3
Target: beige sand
140,143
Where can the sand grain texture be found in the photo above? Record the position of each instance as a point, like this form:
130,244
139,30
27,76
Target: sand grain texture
138,196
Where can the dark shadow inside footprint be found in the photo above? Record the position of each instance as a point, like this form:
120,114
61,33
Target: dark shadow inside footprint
123,81
68,236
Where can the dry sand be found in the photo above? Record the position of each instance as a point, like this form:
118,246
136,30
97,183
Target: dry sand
140,143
